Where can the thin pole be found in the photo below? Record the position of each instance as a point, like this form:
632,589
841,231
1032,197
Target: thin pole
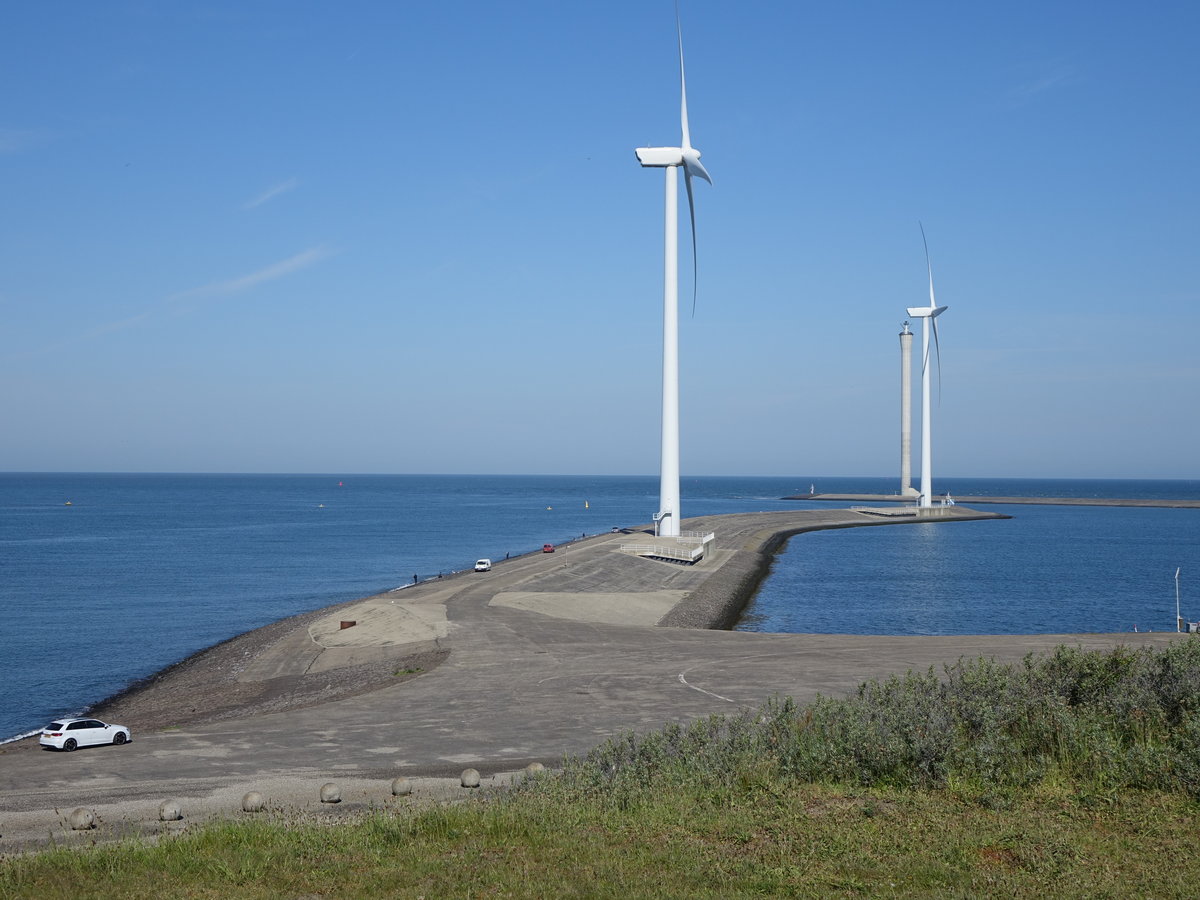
668,508
905,411
926,430
1178,617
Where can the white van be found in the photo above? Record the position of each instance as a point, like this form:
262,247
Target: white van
483,565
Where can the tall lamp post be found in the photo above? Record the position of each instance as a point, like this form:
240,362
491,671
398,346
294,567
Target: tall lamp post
1178,617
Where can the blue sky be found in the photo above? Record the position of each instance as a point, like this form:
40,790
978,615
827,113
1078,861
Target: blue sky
402,237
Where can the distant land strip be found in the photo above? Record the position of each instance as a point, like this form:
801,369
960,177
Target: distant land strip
1035,501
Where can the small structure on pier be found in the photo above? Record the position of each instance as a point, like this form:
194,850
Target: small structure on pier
688,548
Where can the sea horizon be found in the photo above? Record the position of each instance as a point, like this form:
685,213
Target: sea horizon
335,473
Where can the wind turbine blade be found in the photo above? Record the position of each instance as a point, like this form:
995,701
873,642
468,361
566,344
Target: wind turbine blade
687,181
691,162
938,347
691,157
928,265
683,116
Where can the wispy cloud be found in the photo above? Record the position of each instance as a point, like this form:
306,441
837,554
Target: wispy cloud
175,303
271,193
1050,77
261,276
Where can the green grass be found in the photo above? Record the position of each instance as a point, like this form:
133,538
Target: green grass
808,840
1071,775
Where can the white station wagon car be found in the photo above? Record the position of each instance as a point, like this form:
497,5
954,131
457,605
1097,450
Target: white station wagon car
69,734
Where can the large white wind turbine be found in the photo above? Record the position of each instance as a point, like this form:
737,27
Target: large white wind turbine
906,488
929,316
671,158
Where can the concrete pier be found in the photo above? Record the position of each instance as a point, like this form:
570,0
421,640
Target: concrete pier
546,655
1016,501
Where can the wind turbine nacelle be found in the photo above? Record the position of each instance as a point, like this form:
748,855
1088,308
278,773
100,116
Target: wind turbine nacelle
926,312
660,157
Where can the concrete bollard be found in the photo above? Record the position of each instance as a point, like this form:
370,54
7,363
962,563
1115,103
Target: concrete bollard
470,778
253,802
81,819
528,774
330,793
401,787
169,811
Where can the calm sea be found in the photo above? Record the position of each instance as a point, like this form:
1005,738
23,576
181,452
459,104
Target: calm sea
109,578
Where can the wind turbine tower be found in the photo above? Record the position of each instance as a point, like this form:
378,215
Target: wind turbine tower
686,157
906,488
929,314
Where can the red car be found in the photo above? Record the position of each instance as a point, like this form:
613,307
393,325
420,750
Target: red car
547,548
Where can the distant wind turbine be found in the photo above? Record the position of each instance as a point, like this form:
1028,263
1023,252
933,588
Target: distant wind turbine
670,158
906,488
929,314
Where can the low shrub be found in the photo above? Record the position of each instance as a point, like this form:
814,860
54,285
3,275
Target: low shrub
1096,720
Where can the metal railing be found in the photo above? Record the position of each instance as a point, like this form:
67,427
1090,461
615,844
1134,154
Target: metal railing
666,551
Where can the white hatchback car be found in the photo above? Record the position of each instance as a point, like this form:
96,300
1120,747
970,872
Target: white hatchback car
483,565
69,734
